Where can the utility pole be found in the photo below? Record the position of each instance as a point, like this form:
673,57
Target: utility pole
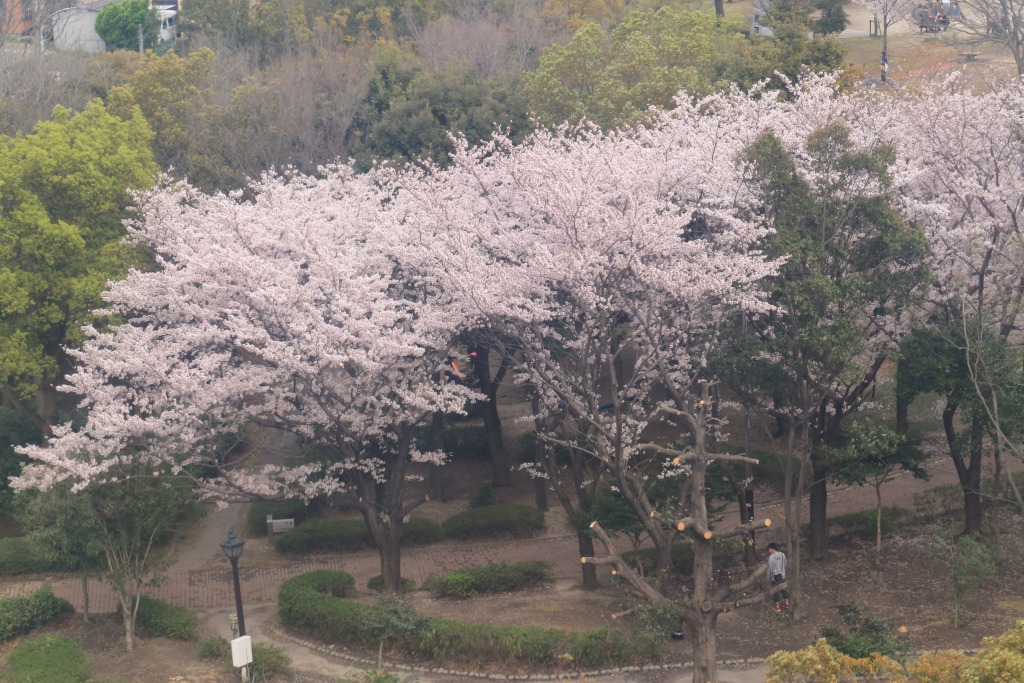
141,41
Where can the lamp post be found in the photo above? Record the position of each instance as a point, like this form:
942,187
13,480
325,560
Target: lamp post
233,550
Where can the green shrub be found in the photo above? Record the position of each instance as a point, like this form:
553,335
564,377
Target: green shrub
466,442
51,659
491,578
21,615
419,531
301,606
862,523
268,662
496,520
371,676
865,634
256,518
645,559
213,647
376,583
167,620
20,555
325,535
483,497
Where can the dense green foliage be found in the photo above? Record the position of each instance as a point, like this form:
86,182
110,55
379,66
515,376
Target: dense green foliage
22,555
166,620
64,190
490,578
268,661
325,535
303,606
494,520
20,615
118,25
376,583
865,634
420,531
50,659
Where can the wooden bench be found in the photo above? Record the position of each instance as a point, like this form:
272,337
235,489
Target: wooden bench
969,56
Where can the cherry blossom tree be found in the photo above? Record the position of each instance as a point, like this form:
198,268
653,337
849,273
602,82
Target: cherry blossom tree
966,188
303,308
611,260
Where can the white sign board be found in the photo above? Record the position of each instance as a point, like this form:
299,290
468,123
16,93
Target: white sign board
241,651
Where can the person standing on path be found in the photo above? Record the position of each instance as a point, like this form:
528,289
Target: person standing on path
777,576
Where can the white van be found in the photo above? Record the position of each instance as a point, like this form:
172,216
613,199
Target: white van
168,25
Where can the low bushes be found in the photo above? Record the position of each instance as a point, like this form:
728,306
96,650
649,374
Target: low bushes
491,578
495,520
302,605
20,555
21,615
376,583
419,531
347,535
167,620
268,662
256,518
862,523
51,659
325,535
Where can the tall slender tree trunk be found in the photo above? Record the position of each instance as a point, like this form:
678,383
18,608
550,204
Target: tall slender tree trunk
85,591
128,609
435,475
818,507
878,524
705,648
500,465
969,471
586,545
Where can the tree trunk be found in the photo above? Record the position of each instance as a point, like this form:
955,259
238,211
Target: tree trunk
818,508
902,412
502,468
128,612
705,648
391,559
586,544
540,493
969,473
85,591
878,524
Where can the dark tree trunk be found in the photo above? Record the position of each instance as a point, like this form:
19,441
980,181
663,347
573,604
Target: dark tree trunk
540,493
501,467
489,385
969,472
391,558
902,413
705,648
85,590
586,544
818,508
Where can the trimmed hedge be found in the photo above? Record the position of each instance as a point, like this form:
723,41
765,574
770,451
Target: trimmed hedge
495,520
302,606
19,555
167,620
325,535
21,615
376,583
256,518
490,578
51,659
419,531
347,535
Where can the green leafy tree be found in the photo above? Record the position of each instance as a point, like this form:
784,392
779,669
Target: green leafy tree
119,25
850,265
63,524
614,77
64,191
416,122
873,454
969,564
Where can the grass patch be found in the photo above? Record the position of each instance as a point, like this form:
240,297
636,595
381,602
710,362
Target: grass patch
51,659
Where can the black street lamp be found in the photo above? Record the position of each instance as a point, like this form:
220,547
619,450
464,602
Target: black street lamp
233,549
